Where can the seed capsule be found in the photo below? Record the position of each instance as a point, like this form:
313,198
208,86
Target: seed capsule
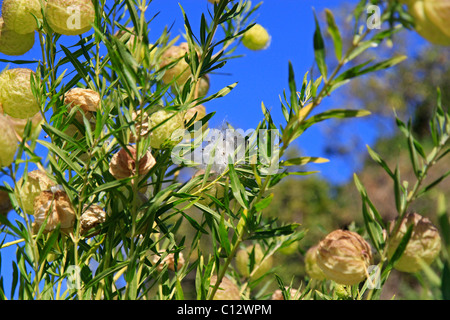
243,262
55,208
431,19
19,15
13,43
91,218
70,17
312,268
344,257
123,164
20,124
36,182
169,261
256,38
423,246
163,124
16,96
8,142
227,290
181,70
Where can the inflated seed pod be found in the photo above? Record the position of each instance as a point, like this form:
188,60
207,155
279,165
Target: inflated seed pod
431,19
243,262
8,142
163,124
256,38
312,268
227,290
216,190
123,163
16,96
179,72
13,43
19,15
278,294
91,217
70,17
423,246
28,189
54,208
169,261
344,257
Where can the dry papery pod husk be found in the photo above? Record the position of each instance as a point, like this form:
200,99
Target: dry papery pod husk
169,261
88,100
423,246
227,290
278,294
53,206
123,164
91,218
344,257
141,119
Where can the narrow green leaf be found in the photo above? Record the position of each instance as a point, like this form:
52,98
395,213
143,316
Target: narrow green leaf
333,30
319,49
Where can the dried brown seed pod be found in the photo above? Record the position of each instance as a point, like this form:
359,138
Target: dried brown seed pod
26,192
92,217
86,99
344,257
278,295
263,264
227,290
142,125
423,246
169,261
54,207
123,163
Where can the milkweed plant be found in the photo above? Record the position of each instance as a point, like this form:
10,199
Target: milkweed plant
136,197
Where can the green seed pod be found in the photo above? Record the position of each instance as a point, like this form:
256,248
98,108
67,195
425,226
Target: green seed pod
70,17
256,38
13,43
162,125
344,257
312,268
181,70
227,290
423,246
16,96
26,192
216,190
431,19
243,262
8,142
18,15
